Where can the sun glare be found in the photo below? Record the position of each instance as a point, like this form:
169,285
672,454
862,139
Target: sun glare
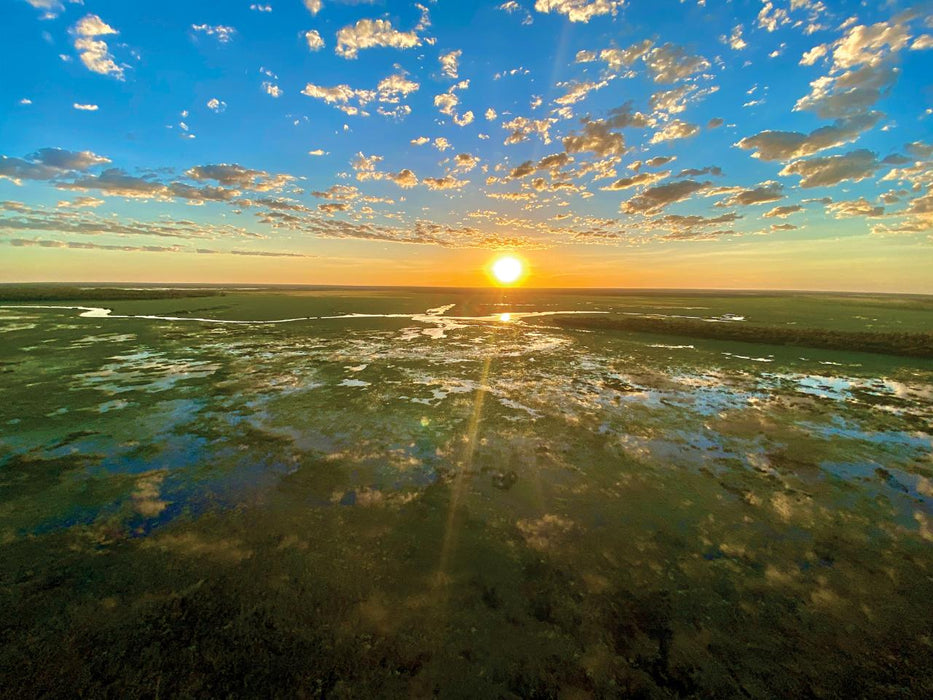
507,269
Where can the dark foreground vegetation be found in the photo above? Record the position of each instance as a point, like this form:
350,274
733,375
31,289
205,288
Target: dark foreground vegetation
56,292
902,344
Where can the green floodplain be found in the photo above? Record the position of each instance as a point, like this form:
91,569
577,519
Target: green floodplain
355,493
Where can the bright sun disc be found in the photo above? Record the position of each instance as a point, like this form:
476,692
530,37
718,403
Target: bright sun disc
507,269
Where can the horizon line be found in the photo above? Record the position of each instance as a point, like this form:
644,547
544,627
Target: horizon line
296,285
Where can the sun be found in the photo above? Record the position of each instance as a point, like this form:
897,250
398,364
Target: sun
507,269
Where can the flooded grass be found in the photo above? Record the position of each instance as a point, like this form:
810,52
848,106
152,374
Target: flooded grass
354,507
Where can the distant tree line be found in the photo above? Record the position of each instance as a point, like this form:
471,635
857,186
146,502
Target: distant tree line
30,292
903,344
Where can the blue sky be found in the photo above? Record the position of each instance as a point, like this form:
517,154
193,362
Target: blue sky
666,143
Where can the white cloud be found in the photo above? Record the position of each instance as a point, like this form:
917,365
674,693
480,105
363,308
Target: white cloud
579,10
94,52
371,33
216,106
814,55
85,108
448,182
314,6
318,152
677,129
785,145
831,170
272,89
420,141
490,114
520,128
578,91
450,63
222,33
395,87
25,101
771,18
734,40
854,208
670,63
260,8
315,42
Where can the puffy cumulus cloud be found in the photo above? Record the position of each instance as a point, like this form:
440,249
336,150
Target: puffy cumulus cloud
448,182
490,114
675,100
314,40
552,163
520,128
82,202
85,107
813,55
51,8
338,192
340,96
81,222
916,218
393,88
365,168
670,63
442,144
863,68
403,178
695,172
313,6
464,119
92,50
420,141
579,10
222,33
855,207
232,174
512,7
464,162
831,170
922,43
333,207
762,194
867,44
638,180
919,149
782,212
450,63
372,33
216,106
447,103
119,183
616,59
48,164
676,129
771,18
657,198
851,93
578,91
67,160
271,89
677,222
734,40
598,136
786,145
